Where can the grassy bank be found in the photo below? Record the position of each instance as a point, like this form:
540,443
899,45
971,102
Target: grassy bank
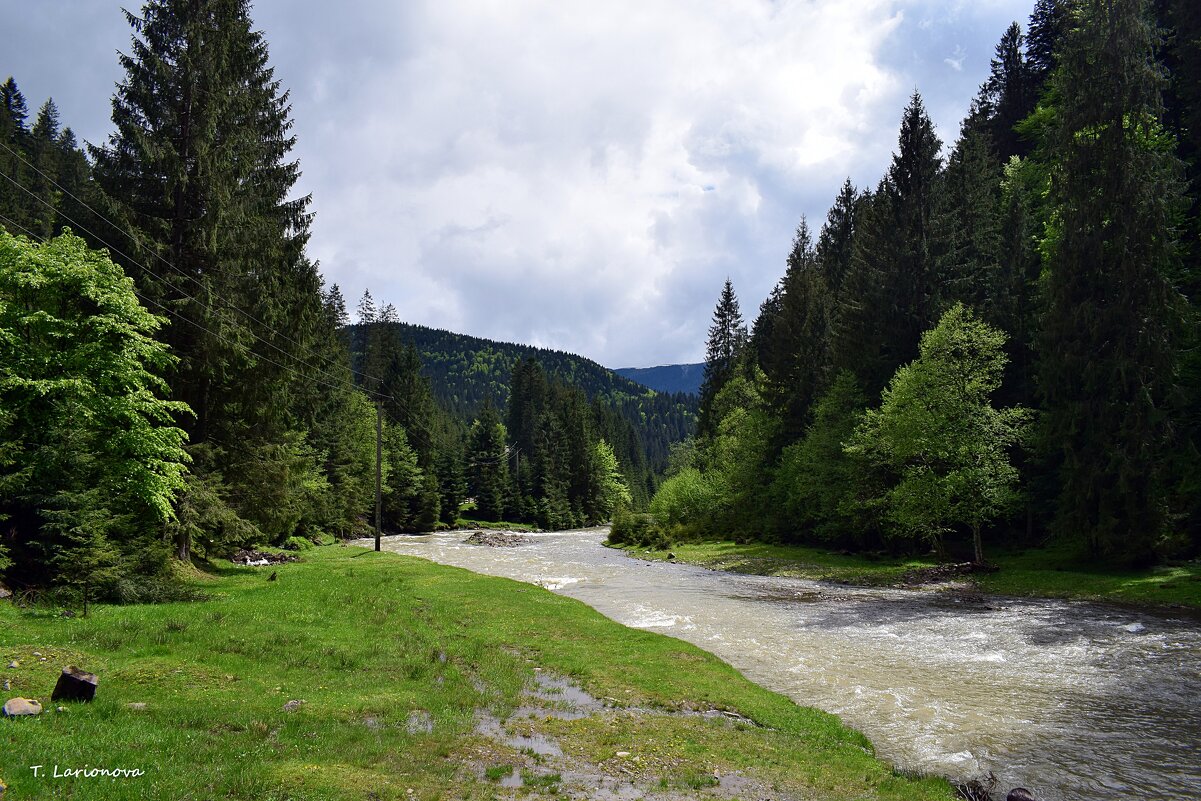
1050,572
397,660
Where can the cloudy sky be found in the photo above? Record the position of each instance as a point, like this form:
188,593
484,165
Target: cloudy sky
569,174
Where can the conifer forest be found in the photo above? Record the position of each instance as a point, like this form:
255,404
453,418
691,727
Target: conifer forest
995,344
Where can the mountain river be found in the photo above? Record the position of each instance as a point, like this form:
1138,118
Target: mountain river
1072,700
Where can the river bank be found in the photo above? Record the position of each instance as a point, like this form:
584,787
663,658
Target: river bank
953,684
1032,573
359,675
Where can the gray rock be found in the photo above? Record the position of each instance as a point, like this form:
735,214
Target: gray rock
75,685
137,706
14,664
293,705
15,707
5,592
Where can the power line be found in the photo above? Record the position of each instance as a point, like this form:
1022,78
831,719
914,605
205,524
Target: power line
181,272
179,316
212,308
414,433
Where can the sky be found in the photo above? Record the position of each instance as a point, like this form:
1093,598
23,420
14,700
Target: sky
574,175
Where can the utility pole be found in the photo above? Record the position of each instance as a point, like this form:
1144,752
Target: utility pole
379,452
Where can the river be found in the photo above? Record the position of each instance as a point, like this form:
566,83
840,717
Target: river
1072,700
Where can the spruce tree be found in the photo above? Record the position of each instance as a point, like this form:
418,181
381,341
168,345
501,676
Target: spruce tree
1049,22
199,169
1107,346
795,356
1010,93
14,204
888,297
727,337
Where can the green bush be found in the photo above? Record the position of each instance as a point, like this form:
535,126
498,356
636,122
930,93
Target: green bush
297,544
687,500
632,528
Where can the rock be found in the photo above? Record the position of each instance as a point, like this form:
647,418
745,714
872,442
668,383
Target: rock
60,709
5,592
15,707
37,653
671,556
14,664
293,705
496,539
75,685
137,706
623,753
7,685
250,558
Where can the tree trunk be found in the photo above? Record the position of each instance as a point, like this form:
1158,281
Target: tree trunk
183,544
979,545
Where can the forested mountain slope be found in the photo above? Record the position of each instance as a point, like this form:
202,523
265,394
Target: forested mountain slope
464,371
686,378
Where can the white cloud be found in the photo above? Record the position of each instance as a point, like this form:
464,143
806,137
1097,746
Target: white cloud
539,171
578,175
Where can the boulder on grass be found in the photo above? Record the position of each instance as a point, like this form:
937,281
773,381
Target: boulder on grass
16,707
75,685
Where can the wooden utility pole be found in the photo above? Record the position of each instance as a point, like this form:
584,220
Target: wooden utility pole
379,454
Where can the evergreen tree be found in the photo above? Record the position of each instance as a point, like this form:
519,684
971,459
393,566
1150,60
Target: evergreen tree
889,296
795,357
836,242
1049,22
198,168
967,248
1010,93
487,459
14,204
1108,350
727,337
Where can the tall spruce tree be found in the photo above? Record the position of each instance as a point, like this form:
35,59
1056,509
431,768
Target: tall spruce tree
1049,22
1010,93
1107,346
198,168
727,337
888,297
795,356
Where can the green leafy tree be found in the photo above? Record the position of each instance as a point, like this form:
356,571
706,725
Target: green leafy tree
937,430
611,491
820,491
93,459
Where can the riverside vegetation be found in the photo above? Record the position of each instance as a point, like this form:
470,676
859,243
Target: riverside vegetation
1045,573
396,661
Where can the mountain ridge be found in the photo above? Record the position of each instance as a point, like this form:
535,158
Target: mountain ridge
671,378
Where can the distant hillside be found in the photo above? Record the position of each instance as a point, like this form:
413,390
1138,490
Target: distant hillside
684,378
463,370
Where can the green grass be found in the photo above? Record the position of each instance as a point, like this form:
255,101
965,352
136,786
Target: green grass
371,642
1055,572
788,560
